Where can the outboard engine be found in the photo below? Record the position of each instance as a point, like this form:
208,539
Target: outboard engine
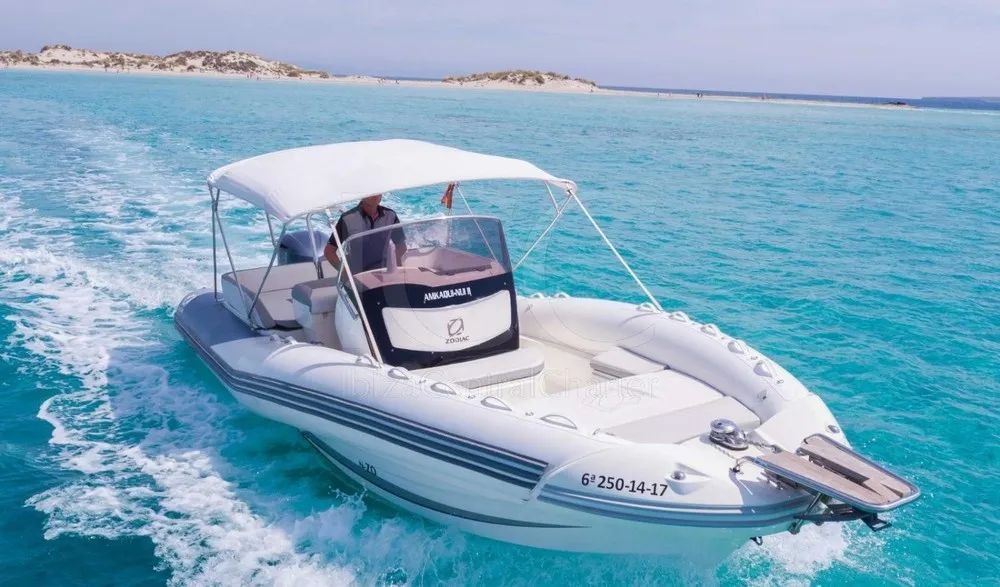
296,247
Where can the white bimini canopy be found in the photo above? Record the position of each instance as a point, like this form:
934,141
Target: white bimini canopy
290,183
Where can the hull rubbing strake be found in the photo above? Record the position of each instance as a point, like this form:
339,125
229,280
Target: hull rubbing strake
397,491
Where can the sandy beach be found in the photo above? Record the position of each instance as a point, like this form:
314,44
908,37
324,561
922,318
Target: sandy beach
198,64
388,82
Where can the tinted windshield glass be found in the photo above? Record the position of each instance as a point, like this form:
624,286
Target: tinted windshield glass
434,251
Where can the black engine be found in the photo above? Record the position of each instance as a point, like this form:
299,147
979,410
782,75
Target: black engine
296,247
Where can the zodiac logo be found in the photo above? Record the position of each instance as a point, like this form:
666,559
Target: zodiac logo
456,326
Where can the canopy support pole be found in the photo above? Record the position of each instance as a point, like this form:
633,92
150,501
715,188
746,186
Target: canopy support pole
317,262
346,267
621,259
551,197
260,288
486,241
270,229
215,248
229,254
555,219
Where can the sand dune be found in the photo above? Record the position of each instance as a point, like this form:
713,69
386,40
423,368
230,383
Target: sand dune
235,63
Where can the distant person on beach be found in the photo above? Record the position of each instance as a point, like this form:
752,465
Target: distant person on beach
369,214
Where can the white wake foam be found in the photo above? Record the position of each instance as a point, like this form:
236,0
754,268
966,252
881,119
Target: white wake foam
164,485
146,447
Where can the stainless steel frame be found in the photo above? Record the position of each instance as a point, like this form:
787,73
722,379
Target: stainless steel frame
216,193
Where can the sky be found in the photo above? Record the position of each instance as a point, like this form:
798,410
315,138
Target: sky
904,48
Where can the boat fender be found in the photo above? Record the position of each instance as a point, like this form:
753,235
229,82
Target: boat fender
495,403
558,420
711,330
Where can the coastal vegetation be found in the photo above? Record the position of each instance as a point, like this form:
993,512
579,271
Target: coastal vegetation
217,62
520,77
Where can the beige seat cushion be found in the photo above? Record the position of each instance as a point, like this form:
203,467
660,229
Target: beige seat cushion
519,364
281,276
618,362
274,308
319,295
680,425
617,401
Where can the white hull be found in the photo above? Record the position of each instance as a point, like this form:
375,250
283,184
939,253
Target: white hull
564,423
451,495
503,474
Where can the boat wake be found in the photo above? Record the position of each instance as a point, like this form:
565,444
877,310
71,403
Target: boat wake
146,449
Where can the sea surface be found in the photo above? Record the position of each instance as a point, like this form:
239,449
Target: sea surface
962,103
859,247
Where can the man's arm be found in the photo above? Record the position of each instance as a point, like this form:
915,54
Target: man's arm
400,251
330,250
398,239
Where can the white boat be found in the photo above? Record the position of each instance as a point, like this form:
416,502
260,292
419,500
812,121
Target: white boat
546,420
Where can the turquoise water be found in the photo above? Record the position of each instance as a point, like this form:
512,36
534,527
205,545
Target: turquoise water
858,247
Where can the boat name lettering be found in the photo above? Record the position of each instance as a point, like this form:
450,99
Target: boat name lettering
445,294
368,468
624,485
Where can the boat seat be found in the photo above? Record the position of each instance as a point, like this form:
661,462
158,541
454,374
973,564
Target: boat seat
686,423
518,364
274,308
618,362
618,401
319,295
314,303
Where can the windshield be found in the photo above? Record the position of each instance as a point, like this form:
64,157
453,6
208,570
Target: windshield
431,252
437,290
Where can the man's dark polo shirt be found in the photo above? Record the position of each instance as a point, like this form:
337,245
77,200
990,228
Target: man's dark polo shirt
371,254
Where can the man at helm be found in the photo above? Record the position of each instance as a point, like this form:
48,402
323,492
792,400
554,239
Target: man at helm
369,253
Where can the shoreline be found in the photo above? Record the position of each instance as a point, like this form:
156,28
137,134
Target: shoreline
368,80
